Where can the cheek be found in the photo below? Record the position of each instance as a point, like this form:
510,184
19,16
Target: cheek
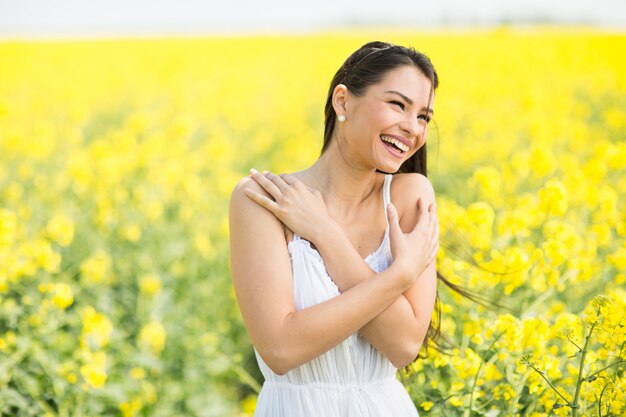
424,135
380,113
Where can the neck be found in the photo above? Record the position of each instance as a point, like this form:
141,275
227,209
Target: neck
344,186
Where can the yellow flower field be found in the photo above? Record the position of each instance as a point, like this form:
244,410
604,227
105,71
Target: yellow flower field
117,159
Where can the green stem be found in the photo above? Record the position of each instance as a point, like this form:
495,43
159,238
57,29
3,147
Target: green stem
483,406
42,360
575,405
600,400
574,343
80,402
542,298
471,402
245,376
550,383
42,404
606,367
468,410
518,393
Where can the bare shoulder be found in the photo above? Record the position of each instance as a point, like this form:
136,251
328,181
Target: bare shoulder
249,219
411,186
406,189
238,194
240,202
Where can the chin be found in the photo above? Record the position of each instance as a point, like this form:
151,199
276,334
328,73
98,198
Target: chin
390,168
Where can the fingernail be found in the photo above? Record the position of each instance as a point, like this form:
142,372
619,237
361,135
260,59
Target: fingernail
253,171
265,172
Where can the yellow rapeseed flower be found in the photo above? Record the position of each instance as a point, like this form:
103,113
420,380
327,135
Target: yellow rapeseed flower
456,401
152,336
131,232
509,327
94,371
618,258
63,295
503,391
542,161
96,269
61,229
137,373
488,181
150,284
131,408
8,224
466,365
554,197
248,404
204,246
427,405
535,334
36,254
97,328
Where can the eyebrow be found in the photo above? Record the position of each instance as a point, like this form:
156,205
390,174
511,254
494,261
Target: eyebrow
409,100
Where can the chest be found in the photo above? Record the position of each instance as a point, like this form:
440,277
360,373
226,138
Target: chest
365,236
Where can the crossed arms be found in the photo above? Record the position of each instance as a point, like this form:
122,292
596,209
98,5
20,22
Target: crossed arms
392,309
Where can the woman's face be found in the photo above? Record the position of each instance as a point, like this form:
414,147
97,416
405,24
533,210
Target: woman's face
396,110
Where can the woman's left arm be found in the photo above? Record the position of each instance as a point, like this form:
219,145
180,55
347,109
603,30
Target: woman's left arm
399,331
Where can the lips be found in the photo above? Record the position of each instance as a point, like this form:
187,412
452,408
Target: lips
401,139
393,150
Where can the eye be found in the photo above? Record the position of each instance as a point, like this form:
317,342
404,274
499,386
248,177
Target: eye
424,117
400,104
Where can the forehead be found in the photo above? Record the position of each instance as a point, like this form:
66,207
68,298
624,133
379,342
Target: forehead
408,80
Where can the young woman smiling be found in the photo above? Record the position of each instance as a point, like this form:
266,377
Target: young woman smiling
333,266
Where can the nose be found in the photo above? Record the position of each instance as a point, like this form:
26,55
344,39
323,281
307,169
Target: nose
411,126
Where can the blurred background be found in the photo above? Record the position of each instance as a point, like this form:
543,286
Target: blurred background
124,127
192,17
184,17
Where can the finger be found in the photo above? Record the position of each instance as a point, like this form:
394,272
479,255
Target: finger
436,222
433,219
262,200
394,224
433,256
423,220
277,180
436,230
435,237
289,179
268,185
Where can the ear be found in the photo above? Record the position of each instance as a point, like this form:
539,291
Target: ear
340,99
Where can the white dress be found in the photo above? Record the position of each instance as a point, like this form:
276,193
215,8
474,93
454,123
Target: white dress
352,379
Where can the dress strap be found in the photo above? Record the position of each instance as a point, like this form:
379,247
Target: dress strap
387,194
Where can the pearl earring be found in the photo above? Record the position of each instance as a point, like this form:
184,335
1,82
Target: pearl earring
341,118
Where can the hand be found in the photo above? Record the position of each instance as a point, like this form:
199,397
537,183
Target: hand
416,250
299,207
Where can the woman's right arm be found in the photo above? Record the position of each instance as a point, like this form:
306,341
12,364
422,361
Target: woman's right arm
263,283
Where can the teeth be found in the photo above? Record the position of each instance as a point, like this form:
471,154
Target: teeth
396,142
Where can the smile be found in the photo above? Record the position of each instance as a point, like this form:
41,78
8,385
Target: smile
394,145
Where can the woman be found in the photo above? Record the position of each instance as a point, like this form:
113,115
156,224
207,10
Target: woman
333,266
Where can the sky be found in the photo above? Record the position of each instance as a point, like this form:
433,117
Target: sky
68,18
